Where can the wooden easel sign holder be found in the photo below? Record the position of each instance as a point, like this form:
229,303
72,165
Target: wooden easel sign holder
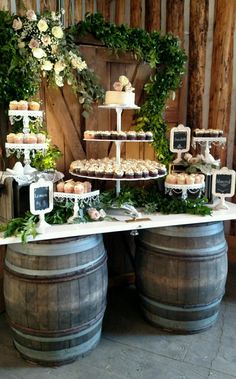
41,202
223,185
180,140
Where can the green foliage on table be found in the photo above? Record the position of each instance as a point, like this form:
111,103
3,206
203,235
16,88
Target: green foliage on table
166,59
153,201
21,226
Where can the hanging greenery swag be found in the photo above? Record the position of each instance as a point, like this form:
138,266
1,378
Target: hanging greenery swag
37,45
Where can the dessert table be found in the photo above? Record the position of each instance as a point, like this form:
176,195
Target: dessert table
125,223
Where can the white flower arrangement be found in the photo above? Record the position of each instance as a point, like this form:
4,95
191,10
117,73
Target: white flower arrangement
43,38
123,84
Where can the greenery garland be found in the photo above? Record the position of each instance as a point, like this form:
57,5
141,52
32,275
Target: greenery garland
164,55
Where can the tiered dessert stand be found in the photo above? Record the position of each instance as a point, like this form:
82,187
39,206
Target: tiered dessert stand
205,144
25,148
119,109
80,201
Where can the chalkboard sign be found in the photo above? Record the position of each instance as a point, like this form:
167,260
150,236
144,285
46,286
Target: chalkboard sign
180,139
41,197
223,184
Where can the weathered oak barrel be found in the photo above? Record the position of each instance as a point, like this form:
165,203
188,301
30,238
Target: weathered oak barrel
180,275
55,294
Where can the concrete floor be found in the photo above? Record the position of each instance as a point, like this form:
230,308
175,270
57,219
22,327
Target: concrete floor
130,348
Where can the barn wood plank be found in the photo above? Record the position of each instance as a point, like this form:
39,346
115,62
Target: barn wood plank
197,59
103,7
152,15
175,25
222,67
78,11
58,104
48,5
119,12
135,13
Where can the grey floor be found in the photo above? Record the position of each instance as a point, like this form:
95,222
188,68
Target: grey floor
130,348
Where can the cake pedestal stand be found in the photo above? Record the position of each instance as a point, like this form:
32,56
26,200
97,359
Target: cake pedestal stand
79,202
193,188
27,116
23,148
205,143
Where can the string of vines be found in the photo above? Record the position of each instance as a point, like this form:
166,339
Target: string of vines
164,55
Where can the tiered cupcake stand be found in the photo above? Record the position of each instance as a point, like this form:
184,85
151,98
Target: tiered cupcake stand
119,109
206,144
25,148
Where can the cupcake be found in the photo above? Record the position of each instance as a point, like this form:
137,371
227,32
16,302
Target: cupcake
131,135
171,179
11,138
79,188
118,173
108,173
19,138
106,135
141,136
32,138
145,172
122,136
153,172
89,134
41,138
91,171
60,187
34,106
148,136
189,179
87,187
129,173
114,134
69,186
22,105
161,169
138,173
13,105
181,179
220,132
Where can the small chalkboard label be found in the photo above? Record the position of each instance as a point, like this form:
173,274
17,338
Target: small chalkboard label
223,184
41,197
180,140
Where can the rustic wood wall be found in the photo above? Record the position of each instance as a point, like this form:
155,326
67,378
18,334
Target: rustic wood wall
207,98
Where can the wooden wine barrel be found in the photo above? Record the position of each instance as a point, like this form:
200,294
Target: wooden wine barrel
180,275
55,294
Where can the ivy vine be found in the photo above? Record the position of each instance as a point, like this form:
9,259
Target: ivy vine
164,55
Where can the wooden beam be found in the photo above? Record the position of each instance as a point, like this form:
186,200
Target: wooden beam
103,7
152,15
197,59
222,67
120,12
135,13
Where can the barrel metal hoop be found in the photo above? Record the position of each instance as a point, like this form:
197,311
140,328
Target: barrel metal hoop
180,231
51,276
59,355
185,308
41,333
188,253
65,248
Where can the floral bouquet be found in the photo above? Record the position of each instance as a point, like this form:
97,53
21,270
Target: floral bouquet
44,41
123,84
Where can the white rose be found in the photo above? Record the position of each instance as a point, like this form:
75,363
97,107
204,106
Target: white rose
31,15
59,81
59,66
46,40
57,32
42,26
78,64
47,66
17,24
38,52
123,80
